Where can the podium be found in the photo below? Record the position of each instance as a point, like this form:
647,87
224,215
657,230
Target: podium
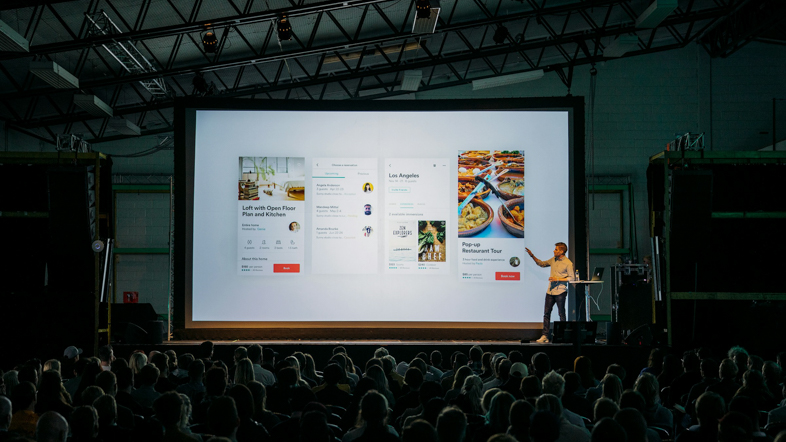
587,297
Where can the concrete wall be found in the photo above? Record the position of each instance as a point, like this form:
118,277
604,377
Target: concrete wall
641,104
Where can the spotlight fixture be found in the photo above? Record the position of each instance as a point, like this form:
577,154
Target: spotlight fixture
54,74
423,8
209,42
505,80
11,41
500,35
284,28
93,105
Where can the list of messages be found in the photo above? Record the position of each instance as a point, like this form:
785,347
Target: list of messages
344,215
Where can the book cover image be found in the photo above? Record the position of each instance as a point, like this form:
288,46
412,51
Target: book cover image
432,241
403,246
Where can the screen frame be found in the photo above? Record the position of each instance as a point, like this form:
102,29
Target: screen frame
185,132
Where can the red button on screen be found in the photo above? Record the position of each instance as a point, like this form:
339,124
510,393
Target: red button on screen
286,268
508,276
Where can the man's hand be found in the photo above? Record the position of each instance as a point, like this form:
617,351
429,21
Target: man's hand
551,278
530,254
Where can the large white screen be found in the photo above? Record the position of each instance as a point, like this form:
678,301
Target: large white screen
310,283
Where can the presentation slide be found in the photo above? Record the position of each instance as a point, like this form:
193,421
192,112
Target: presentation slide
378,216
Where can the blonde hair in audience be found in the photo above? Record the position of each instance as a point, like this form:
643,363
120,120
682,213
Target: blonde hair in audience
244,372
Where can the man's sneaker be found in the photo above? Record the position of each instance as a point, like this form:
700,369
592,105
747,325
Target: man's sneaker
543,340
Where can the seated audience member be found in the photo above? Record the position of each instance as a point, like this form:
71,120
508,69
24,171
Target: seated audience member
125,386
691,376
531,388
269,359
452,425
595,392
51,427
146,394
92,369
83,424
378,374
475,359
185,417
413,379
313,426
6,410
163,384
419,430
310,382
136,362
332,392
244,371
709,409
633,399
709,376
772,379
108,430
303,401
92,393
611,388
430,412
753,386
540,365
194,388
70,357
278,396
260,374
458,381
727,386
501,373
747,406
582,366
169,410
518,371
248,430
261,414
395,380
52,395
572,400
107,381
183,362
554,384
24,419
740,357
206,351
633,423
215,385
485,367
656,414
428,391
173,365
568,432
544,426
778,415
734,427
671,369
240,353
608,430
106,355
470,398
755,363
52,365
223,418
604,407
372,420
655,362
448,380
310,369
520,413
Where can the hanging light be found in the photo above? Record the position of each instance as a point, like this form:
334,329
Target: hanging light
500,35
423,8
284,28
209,42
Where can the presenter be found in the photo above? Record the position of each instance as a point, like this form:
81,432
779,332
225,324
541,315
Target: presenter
561,273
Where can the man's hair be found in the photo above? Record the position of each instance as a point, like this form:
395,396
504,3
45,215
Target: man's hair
105,353
709,367
419,430
244,400
562,246
554,384
436,357
617,369
632,399
83,422
549,402
90,394
710,407
184,361
728,369
215,381
475,353
605,408
541,363
149,374
206,349
608,430
107,381
381,351
168,408
255,353
161,361
106,408
196,370
222,416
413,377
531,386
51,427
737,350
373,408
23,395
634,424
240,353
451,425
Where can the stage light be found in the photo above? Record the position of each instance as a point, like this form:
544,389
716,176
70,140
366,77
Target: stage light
54,74
500,35
124,127
656,13
411,80
93,105
621,45
284,28
210,42
504,80
423,8
11,41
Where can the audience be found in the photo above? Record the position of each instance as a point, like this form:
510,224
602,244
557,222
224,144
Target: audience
297,399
